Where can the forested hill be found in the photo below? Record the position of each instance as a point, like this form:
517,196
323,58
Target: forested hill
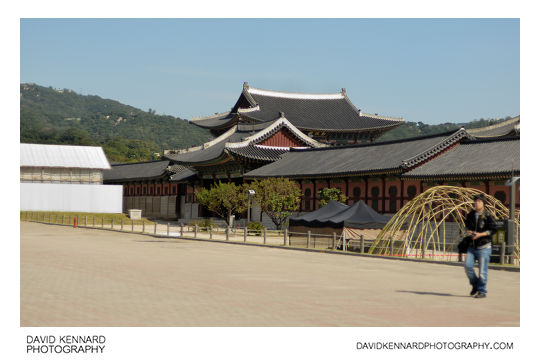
52,116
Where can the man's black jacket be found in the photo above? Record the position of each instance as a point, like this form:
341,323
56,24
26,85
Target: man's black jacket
485,223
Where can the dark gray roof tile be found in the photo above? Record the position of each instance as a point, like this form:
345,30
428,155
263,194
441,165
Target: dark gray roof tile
505,128
329,112
499,156
214,121
358,159
257,153
136,171
181,172
317,114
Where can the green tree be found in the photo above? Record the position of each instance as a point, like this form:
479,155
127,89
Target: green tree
277,197
224,199
327,194
75,136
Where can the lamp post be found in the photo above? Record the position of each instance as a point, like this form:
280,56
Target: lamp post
250,194
511,220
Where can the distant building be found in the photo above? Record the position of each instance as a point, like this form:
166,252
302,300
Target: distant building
158,188
66,178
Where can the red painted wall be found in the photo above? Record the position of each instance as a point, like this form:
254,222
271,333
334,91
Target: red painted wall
282,138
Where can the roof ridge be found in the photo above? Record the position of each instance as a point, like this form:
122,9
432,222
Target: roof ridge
381,117
437,148
491,139
140,162
247,95
73,145
495,126
289,94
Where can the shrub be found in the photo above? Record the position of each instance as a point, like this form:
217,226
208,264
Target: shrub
255,228
203,224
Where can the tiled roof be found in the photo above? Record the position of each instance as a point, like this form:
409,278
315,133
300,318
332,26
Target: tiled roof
488,157
210,151
181,172
214,121
506,128
137,171
258,153
240,141
329,112
147,170
336,114
358,159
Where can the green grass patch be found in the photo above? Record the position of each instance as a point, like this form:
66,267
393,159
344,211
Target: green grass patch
59,217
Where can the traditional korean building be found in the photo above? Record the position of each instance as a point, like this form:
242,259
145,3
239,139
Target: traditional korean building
369,172
242,148
328,118
483,164
263,125
388,174
158,188
320,140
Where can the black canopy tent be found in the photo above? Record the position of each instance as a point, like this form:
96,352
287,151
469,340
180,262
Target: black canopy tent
338,215
314,217
349,222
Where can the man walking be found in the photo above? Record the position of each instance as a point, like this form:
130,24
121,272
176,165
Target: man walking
480,225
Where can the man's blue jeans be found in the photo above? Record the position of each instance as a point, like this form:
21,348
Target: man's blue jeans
482,255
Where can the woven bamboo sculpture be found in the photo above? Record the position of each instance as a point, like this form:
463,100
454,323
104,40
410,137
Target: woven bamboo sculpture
420,224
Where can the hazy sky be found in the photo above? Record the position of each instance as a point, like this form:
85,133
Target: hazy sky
428,70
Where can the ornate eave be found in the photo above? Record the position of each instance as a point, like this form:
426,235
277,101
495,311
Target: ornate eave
276,126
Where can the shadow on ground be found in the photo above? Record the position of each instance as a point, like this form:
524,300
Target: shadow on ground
429,293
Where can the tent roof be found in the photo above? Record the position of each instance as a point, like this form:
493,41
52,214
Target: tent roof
335,214
361,216
330,209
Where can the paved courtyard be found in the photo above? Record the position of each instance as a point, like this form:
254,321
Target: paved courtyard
89,277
